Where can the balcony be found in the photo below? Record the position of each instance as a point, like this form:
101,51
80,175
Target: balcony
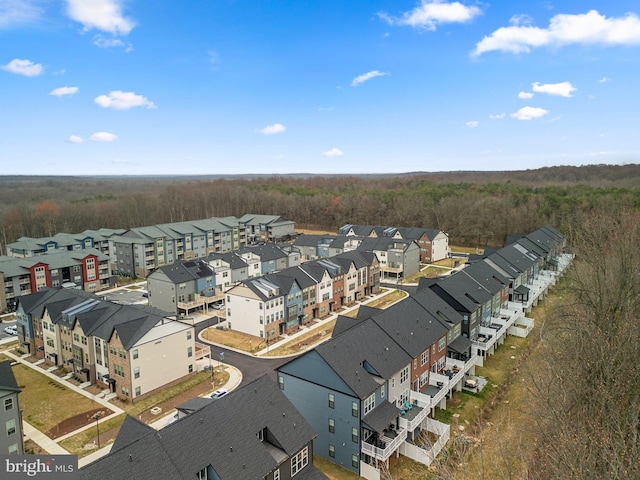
382,448
420,408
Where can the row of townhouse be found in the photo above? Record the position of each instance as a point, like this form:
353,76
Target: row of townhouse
86,269
281,302
138,251
398,258
433,243
253,432
197,284
131,350
369,391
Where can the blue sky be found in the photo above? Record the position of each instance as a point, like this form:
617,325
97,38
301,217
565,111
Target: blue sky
109,87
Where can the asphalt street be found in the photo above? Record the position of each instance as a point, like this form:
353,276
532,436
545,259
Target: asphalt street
251,367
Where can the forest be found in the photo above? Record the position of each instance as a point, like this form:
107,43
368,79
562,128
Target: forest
583,399
473,208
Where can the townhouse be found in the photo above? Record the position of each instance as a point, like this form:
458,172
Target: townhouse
252,433
281,302
130,350
183,286
87,269
433,243
11,440
348,389
398,258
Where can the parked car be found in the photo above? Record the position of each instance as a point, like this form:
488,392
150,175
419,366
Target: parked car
221,392
11,330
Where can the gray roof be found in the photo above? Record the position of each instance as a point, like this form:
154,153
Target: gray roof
222,434
411,326
15,266
382,416
362,353
186,270
7,379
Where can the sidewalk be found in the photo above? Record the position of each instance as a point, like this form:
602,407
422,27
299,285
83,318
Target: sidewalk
116,410
44,442
320,323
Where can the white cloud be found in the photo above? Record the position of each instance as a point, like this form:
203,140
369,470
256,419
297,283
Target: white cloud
23,67
19,12
525,95
521,19
119,100
604,80
589,28
562,89
367,76
529,113
430,13
272,129
334,152
75,139
102,42
213,56
105,15
62,91
103,137
472,124
497,116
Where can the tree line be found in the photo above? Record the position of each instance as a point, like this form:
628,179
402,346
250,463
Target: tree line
474,208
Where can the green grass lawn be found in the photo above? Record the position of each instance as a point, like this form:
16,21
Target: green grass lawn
44,402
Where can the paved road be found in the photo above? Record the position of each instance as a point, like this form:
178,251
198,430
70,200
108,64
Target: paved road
250,366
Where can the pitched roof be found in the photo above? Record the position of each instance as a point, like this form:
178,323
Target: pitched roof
362,353
186,270
7,379
222,434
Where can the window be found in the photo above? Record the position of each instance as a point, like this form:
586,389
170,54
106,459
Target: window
424,378
441,343
424,358
136,372
189,351
354,409
281,382
125,391
188,334
202,474
404,375
13,449
382,391
8,404
135,354
354,435
276,474
332,451
332,425
11,427
369,403
138,391
332,401
354,461
299,461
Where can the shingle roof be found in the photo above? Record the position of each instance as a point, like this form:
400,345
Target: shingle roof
365,346
7,379
222,434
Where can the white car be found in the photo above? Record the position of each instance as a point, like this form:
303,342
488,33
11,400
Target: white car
221,392
11,330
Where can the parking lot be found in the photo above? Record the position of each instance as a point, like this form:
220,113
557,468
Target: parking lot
126,296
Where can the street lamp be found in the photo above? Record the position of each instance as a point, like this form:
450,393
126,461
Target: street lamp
97,417
220,362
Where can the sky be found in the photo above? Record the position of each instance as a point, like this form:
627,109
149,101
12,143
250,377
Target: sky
133,87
